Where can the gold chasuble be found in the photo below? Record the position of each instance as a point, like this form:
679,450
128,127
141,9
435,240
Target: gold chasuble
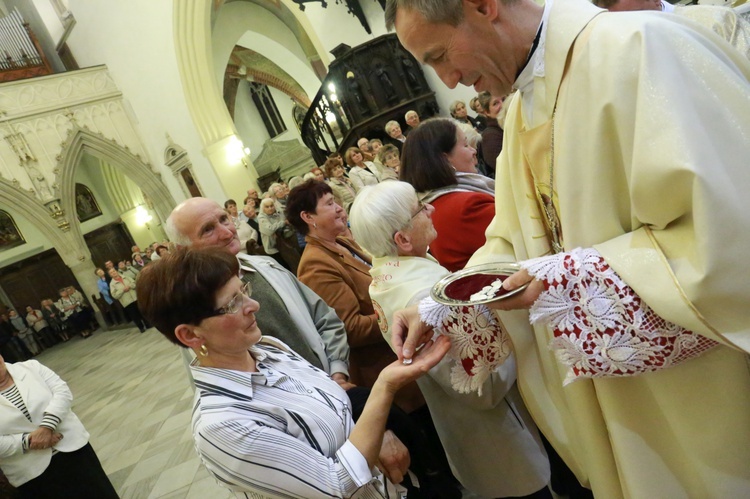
650,169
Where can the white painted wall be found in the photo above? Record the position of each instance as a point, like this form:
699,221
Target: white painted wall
50,19
236,19
135,40
299,71
89,173
249,125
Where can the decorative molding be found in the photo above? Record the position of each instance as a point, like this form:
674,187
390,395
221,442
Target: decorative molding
177,160
85,141
43,137
25,98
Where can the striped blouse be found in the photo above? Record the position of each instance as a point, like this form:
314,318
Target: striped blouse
280,432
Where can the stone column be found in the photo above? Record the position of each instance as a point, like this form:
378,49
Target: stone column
83,270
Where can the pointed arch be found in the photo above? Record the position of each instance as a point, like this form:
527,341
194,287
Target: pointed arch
36,214
81,141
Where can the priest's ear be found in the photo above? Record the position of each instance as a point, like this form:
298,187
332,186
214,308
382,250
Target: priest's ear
486,8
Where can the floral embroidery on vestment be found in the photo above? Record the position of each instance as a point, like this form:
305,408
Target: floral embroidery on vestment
601,326
479,345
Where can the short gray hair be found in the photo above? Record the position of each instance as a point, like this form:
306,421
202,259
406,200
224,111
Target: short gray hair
267,202
473,137
389,126
409,113
434,11
454,105
174,234
378,212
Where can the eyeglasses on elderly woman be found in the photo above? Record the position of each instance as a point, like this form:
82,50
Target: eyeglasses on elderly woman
420,208
235,304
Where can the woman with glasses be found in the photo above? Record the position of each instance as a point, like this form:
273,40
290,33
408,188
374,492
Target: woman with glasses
440,164
266,422
488,435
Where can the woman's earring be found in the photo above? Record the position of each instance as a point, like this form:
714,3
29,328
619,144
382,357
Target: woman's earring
315,226
203,350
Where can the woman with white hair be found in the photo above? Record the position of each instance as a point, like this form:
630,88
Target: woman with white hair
393,129
488,435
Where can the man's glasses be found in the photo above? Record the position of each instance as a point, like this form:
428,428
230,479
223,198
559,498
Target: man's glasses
235,304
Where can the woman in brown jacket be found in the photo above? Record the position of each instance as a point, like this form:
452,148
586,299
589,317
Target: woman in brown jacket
338,270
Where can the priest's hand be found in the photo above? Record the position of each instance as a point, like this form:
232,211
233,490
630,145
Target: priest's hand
409,332
524,300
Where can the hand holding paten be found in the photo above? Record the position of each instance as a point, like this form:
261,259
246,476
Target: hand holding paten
524,300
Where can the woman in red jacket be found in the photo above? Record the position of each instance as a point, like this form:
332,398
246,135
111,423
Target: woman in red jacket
441,165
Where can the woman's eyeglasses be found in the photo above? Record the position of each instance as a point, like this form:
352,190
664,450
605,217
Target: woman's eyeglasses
235,304
420,208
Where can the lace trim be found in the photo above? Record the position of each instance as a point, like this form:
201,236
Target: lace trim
601,326
479,345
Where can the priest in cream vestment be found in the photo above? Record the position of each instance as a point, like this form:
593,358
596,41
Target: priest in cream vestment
626,150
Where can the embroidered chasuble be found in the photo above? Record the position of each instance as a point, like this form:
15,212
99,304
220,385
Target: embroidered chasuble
661,196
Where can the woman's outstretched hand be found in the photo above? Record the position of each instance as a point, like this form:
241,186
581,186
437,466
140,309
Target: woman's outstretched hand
398,374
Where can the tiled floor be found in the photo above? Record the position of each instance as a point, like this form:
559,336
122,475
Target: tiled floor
132,393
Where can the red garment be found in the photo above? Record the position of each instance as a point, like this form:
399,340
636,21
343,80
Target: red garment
460,219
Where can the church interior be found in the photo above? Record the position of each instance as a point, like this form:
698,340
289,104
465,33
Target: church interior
112,113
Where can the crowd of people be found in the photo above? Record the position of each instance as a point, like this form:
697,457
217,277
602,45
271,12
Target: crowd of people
25,335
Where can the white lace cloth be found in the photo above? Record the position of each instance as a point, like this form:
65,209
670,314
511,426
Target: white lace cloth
601,326
478,342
